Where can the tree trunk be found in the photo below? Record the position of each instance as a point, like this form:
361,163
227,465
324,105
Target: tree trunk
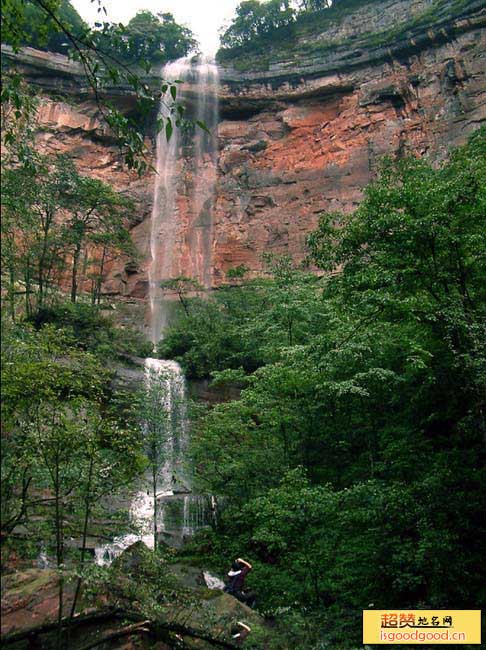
87,512
59,555
74,276
183,303
99,279
43,257
156,627
144,627
11,290
27,289
154,494
290,325
93,292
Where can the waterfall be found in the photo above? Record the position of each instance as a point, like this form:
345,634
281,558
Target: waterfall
166,483
180,245
181,223
166,433
164,428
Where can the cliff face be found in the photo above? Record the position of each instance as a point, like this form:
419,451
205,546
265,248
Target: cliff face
75,129
316,128
299,134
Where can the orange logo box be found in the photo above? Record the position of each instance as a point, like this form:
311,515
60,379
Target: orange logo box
422,626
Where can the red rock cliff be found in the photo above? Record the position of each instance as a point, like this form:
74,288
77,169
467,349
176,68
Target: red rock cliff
302,134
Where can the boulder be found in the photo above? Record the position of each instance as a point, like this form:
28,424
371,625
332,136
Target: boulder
30,599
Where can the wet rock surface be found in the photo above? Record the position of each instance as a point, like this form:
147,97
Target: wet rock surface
164,593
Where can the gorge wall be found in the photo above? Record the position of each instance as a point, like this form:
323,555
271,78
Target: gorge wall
301,130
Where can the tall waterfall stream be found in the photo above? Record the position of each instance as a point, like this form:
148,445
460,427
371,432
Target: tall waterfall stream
196,153
167,488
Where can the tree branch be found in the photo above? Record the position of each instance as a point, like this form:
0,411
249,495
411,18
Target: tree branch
137,628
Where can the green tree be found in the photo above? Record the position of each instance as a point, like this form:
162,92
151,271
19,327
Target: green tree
381,401
33,198
54,216
110,460
181,286
98,215
256,21
155,407
40,368
162,413
35,28
148,37
244,324
59,440
29,23
16,227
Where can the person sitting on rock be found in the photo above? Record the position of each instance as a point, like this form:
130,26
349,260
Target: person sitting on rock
236,582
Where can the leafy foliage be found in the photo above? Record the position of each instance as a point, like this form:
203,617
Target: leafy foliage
257,21
148,37
62,450
53,399
107,55
56,219
351,463
243,325
92,330
29,25
245,44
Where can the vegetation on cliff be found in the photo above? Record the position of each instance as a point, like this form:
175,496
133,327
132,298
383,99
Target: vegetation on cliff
265,32
51,26
69,437
109,54
28,23
148,37
57,224
352,459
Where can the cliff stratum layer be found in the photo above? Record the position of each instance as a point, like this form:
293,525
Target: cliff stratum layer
302,129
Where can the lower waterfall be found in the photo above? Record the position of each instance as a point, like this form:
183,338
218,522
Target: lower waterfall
163,508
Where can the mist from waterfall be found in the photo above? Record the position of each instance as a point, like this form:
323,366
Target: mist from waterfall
181,239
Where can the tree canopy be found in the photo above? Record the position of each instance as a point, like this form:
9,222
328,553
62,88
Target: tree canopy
28,23
260,23
257,20
351,460
148,37
53,217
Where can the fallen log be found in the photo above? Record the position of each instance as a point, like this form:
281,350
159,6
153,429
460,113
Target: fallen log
136,628
156,628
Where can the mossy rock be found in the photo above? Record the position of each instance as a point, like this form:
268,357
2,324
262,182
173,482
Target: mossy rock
30,598
138,581
26,583
211,610
188,576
